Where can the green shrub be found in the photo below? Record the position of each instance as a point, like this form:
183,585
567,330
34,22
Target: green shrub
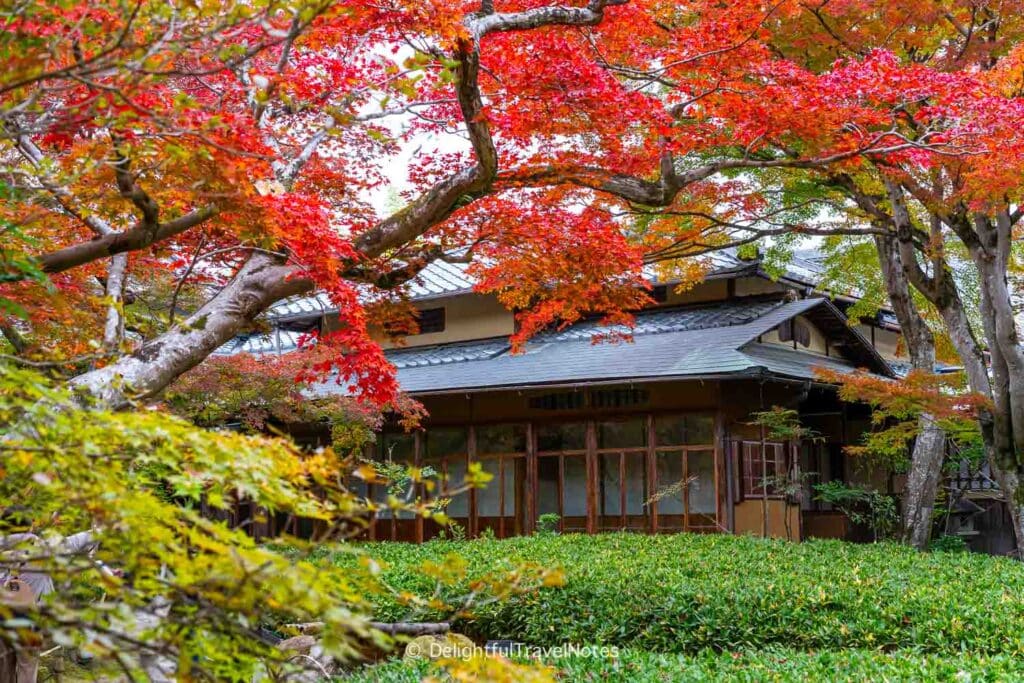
773,665
684,593
548,523
862,505
948,544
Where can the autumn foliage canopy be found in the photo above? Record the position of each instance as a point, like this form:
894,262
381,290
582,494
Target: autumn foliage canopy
559,147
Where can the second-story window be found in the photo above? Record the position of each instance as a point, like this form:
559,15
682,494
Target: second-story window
795,331
431,320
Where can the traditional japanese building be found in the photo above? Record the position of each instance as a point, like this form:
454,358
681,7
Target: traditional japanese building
651,435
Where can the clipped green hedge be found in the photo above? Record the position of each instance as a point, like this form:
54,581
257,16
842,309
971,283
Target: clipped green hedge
776,665
685,593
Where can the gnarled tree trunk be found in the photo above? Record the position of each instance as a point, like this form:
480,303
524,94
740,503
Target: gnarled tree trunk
261,281
930,446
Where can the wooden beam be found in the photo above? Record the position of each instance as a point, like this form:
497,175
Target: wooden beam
591,474
470,459
652,472
417,459
722,483
561,493
531,485
686,489
501,496
622,489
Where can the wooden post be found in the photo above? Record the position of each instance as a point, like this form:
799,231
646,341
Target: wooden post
764,474
591,471
652,472
561,493
420,490
797,477
501,496
470,459
721,481
731,475
686,488
622,489
531,485
519,496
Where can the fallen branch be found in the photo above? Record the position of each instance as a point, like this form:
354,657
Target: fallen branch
401,628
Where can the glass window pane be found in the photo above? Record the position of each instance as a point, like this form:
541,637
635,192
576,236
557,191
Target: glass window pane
670,430
380,497
626,434
700,429
760,470
670,481
447,441
753,472
611,485
398,446
488,499
574,493
459,506
636,484
547,485
677,430
406,494
571,436
500,439
702,482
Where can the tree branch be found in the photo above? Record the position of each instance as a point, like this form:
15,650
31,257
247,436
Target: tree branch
537,17
131,190
138,237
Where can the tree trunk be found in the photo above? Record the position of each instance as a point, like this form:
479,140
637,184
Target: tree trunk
113,330
261,281
930,445
923,483
991,253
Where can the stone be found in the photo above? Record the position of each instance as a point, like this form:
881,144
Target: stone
300,644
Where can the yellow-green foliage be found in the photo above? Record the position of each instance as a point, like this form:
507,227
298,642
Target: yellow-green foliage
135,480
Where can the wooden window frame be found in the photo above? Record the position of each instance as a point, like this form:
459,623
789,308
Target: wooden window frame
432,320
754,492
525,509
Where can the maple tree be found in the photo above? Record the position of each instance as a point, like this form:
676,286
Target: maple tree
237,149
944,226
249,138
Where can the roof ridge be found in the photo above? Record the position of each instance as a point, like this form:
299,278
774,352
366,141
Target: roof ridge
646,322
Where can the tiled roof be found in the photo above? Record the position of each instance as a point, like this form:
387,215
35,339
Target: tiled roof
276,341
301,307
442,279
671,320
806,265
903,368
443,354
698,341
779,360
